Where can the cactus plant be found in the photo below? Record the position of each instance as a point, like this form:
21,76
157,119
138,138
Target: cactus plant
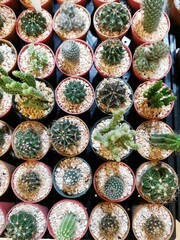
71,176
29,182
21,226
33,23
2,139
1,58
109,225
75,92
113,188
112,52
1,22
70,51
67,227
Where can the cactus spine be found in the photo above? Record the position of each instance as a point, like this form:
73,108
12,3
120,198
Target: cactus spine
71,176
75,92
154,227
70,51
113,188
109,225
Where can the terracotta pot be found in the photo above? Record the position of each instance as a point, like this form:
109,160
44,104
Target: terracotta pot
47,76
14,4
81,35
4,208
54,209
98,3
6,146
47,5
104,37
175,13
80,2
134,4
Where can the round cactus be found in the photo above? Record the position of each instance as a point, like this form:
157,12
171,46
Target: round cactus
113,188
70,50
29,182
109,225
75,92
154,227
71,176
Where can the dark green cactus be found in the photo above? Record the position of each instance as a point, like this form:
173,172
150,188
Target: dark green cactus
1,58
71,176
109,225
114,188
33,23
27,143
153,10
112,52
1,22
29,182
159,95
67,227
70,51
154,227
113,17
75,92
21,226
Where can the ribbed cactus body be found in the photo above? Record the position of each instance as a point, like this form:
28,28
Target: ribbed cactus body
154,227
109,225
70,50
113,188
29,182
71,176
67,227
75,92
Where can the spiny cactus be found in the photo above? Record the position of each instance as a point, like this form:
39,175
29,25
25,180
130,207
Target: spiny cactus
21,226
71,176
1,58
1,22
158,184
27,143
113,17
29,182
109,225
154,227
113,188
153,10
70,51
159,95
33,23
112,52
166,141
65,134
75,92
67,227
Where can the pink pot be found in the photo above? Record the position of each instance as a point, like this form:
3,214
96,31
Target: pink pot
80,2
14,4
175,13
8,139
98,3
47,5
4,209
134,4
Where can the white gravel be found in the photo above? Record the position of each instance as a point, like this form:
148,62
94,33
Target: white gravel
10,56
4,178
9,18
5,103
2,220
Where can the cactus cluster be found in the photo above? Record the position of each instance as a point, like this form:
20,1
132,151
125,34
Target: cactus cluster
1,22
29,182
75,92
70,51
114,187
158,184
71,176
33,23
154,227
113,17
147,58
67,227
159,95
1,58
113,51
21,226
109,225
27,143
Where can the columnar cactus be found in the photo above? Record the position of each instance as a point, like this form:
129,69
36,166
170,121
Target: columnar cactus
75,92
109,225
113,188
70,51
154,227
29,182
71,176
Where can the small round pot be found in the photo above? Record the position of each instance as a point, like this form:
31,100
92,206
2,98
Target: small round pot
104,37
141,102
14,4
134,4
127,63
80,2
23,60
143,212
78,74
139,40
98,3
47,5
64,206
65,36
6,145
85,179
4,208
118,169
175,13
76,108
105,209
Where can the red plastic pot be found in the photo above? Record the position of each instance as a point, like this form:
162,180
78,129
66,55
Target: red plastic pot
47,5
134,4
175,13
80,2
4,209
98,3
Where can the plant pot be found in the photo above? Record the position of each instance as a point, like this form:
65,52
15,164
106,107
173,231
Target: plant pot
175,12
68,104
4,208
38,69
32,181
30,140
160,190
146,211
38,211
6,138
45,37
14,4
135,4
6,171
46,4
76,69
66,206
143,133
104,34
77,131
118,93
98,3
73,34
114,181
72,177
141,36
102,217
106,70
80,2
141,104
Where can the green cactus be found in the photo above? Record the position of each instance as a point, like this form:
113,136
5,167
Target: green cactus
29,182
1,58
1,22
109,225
71,176
70,51
113,17
75,92
114,187
67,227
33,23
159,95
64,134
113,51
27,143
158,184
21,226
154,227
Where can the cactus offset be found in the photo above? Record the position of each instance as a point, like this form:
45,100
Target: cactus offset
21,226
29,182
70,51
154,227
1,22
71,176
109,225
1,58
75,92
113,188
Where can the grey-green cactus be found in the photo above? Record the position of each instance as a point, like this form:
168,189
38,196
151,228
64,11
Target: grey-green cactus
29,182
75,92
1,58
114,188
21,226
70,51
154,227
109,225
71,176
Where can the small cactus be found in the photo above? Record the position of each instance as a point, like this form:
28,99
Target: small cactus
109,225
29,182
154,227
113,188
1,58
71,176
1,22
70,51
75,92
33,23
